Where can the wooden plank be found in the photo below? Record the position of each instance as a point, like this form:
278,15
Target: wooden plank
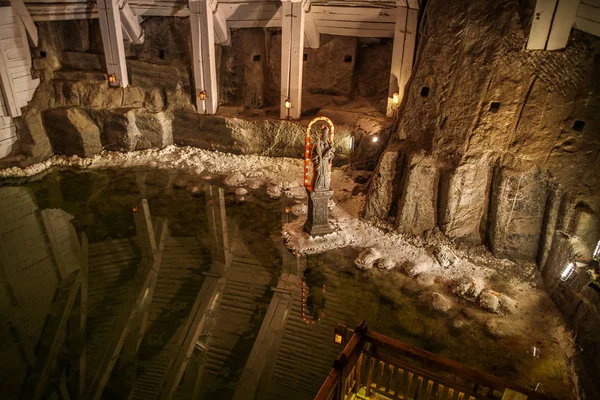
146,272
563,21
396,66
193,327
21,10
131,24
112,41
203,57
292,57
593,3
588,26
8,90
51,342
312,37
589,12
408,54
355,25
83,298
541,23
222,35
379,33
357,12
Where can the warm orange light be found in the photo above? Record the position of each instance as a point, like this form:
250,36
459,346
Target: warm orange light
112,79
287,210
395,98
134,209
338,338
287,104
202,95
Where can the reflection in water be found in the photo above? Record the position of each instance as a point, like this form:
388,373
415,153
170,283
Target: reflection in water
191,296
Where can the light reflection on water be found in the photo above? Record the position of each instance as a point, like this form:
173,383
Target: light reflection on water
223,268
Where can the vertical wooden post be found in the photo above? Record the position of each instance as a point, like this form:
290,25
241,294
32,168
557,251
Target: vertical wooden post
203,57
396,69
112,40
541,23
83,275
564,17
292,55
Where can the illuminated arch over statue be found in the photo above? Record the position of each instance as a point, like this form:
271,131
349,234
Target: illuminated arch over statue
307,150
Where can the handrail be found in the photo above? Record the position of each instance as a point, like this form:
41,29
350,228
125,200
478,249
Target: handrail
345,368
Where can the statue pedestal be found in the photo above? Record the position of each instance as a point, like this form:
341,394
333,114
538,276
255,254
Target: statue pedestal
317,218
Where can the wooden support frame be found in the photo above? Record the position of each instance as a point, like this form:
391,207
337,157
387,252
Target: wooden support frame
541,23
130,23
204,57
222,34
152,251
312,37
564,18
52,339
260,364
112,40
292,57
83,305
32,31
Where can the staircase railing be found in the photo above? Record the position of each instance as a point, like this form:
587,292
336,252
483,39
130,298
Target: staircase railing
372,363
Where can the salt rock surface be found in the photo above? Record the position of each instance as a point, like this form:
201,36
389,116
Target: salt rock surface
299,209
236,179
508,304
367,258
441,303
469,289
274,191
496,328
489,300
386,263
241,191
425,280
331,204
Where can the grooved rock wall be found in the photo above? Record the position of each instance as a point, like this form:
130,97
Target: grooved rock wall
501,124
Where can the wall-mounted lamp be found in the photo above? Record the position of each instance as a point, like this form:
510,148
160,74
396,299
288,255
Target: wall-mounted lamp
339,334
374,139
287,104
112,79
395,98
202,95
567,272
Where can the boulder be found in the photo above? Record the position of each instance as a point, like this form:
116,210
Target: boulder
241,191
119,131
299,209
155,130
441,303
417,210
274,191
367,258
386,263
72,132
236,179
469,288
489,301
32,135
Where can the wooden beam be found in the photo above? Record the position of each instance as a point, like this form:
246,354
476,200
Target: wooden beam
408,53
541,23
292,56
312,37
112,40
396,68
203,57
587,25
32,31
260,363
563,21
222,34
217,225
83,298
130,23
8,90
205,301
51,340
152,251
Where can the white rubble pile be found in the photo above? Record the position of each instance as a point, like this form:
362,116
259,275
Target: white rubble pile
236,179
441,303
367,258
299,209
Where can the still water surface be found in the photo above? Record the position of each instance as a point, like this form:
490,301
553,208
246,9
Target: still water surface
201,312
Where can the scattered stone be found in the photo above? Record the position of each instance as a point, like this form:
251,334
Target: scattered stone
274,191
289,185
296,193
441,303
386,263
254,185
459,323
207,177
425,280
241,191
445,256
299,209
367,258
489,301
469,289
180,183
508,304
236,179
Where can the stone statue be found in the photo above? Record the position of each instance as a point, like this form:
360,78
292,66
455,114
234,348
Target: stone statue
322,154
319,190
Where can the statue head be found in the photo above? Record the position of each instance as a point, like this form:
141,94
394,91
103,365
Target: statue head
324,133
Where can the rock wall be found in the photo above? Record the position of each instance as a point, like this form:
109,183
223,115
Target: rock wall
75,112
510,135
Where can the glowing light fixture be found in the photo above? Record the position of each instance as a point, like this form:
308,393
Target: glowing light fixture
374,139
134,209
536,352
567,272
339,334
202,95
287,104
112,79
395,98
